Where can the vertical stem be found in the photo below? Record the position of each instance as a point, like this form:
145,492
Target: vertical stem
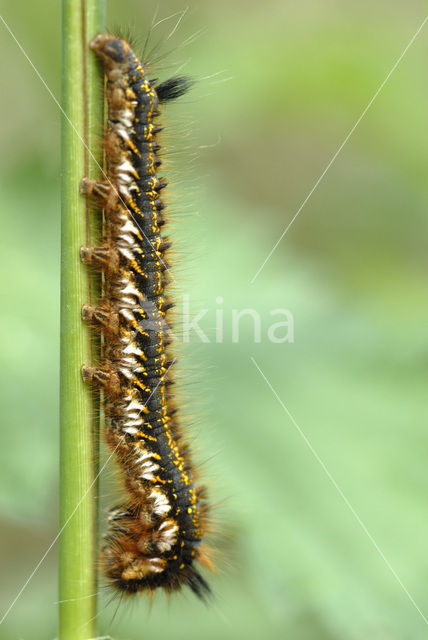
82,102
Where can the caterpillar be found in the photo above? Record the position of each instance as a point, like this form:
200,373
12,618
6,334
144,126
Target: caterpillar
154,536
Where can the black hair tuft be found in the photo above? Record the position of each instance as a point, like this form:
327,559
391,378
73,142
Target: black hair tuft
173,88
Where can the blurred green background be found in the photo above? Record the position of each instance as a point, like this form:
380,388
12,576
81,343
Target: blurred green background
295,76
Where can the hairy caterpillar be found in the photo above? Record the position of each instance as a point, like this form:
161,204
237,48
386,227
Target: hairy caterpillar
154,536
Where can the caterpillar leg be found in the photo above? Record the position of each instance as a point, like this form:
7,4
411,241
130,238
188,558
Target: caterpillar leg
102,378
104,192
102,258
104,318
95,189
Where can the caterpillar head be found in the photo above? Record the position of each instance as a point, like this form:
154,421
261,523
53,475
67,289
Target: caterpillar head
110,49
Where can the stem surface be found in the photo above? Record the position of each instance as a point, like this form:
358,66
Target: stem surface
83,104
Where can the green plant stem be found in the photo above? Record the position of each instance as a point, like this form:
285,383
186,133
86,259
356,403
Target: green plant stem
82,104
